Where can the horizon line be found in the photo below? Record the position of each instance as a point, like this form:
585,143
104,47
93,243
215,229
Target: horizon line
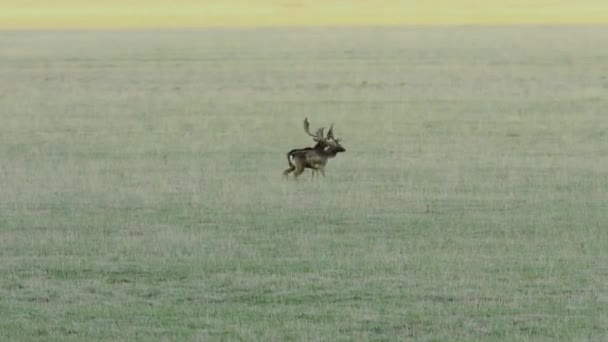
303,26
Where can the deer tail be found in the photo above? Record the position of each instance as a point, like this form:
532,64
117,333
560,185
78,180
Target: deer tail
289,157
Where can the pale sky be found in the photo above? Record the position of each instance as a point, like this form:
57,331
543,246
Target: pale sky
85,14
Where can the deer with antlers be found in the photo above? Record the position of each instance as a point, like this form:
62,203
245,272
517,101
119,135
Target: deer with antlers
314,158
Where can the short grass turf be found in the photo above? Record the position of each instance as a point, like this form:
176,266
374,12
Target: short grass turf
141,195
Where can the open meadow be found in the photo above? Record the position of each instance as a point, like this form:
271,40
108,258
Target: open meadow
141,195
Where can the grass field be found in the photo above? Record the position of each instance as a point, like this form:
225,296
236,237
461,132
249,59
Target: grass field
141,195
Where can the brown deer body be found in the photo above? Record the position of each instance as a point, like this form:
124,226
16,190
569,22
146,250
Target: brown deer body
319,147
314,158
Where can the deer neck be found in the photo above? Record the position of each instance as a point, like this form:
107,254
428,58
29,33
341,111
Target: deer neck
319,146
329,153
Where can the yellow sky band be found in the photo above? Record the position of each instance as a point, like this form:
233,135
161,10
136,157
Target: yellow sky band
89,14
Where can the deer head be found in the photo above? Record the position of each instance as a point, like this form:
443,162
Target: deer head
323,142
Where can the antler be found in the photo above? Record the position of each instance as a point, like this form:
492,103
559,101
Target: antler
318,136
330,134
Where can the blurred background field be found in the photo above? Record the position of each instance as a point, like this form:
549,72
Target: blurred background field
115,14
141,193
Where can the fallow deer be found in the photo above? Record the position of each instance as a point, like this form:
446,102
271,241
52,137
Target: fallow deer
321,144
316,157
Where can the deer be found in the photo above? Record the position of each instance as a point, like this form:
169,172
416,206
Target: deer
321,144
314,158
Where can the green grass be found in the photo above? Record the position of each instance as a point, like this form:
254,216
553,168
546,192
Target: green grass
141,195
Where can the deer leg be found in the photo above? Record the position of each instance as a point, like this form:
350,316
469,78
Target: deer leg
322,170
298,171
288,171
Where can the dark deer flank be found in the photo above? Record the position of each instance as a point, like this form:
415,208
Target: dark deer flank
314,158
